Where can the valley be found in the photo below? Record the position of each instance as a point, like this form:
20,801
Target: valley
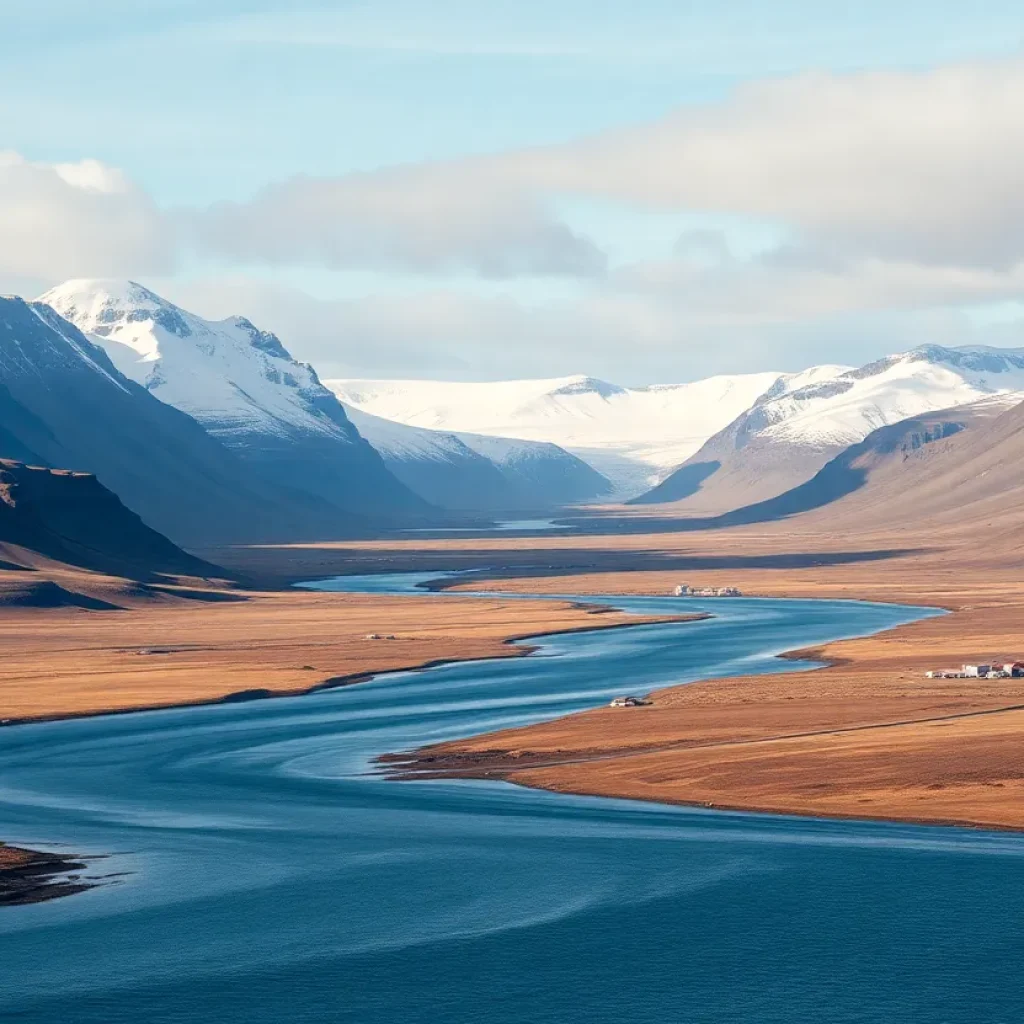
101,613
512,513
136,650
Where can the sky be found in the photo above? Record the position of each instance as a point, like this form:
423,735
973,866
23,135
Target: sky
647,192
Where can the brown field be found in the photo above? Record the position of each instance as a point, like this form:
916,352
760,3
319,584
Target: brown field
158,650
868,737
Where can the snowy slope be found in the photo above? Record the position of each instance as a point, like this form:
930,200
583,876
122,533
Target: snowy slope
232,377
889,390
789,434
543,474
633,436
477,473
242,385
64,405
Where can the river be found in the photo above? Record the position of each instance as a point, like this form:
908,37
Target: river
265,875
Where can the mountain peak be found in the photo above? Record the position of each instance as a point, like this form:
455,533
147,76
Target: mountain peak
98,305
103,291
978,358
264,341
581,385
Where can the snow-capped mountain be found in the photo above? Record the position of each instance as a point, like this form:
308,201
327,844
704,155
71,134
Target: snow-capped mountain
632,436
470,472
436,465
243,386
63,404
788,434
542,473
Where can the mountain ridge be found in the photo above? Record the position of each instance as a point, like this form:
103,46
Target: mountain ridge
245,389
64,405
783,439
475,473
630,435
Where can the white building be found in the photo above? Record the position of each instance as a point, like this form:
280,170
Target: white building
683,590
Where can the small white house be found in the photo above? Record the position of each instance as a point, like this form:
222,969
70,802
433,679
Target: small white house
977,671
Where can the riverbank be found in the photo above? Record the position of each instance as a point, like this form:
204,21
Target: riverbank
866,736
31,876
71,662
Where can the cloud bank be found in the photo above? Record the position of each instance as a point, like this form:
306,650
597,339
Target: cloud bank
896,193
917,166
406,219
78,219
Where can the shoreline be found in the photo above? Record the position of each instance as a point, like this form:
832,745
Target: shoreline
624,767
785,812
31,876
504,766
518,646
35,876
700,747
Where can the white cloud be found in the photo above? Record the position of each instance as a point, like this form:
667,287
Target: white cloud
899,193
628,337
418,219
92,176
900,167
788,289
70,220
920,166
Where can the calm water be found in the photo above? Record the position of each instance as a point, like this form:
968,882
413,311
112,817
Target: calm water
500,526
272,880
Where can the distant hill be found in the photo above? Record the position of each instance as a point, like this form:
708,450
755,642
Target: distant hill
940,466
64,405
788,435
471,472
71,518
710,445
245,389
971,482
631,436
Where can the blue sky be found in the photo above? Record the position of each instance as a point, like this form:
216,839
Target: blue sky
551,265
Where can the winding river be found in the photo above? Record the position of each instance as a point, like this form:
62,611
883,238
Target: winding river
264,875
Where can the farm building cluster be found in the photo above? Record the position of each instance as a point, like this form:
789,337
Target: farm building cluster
995,670
683,590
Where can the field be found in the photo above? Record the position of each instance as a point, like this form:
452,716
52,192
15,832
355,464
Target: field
160,650
868,736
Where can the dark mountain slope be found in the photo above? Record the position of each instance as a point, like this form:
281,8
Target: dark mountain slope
243,386
972,482
852,469
64,405
73,519
954,467
475,473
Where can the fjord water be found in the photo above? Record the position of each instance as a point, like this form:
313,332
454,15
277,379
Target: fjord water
270,878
